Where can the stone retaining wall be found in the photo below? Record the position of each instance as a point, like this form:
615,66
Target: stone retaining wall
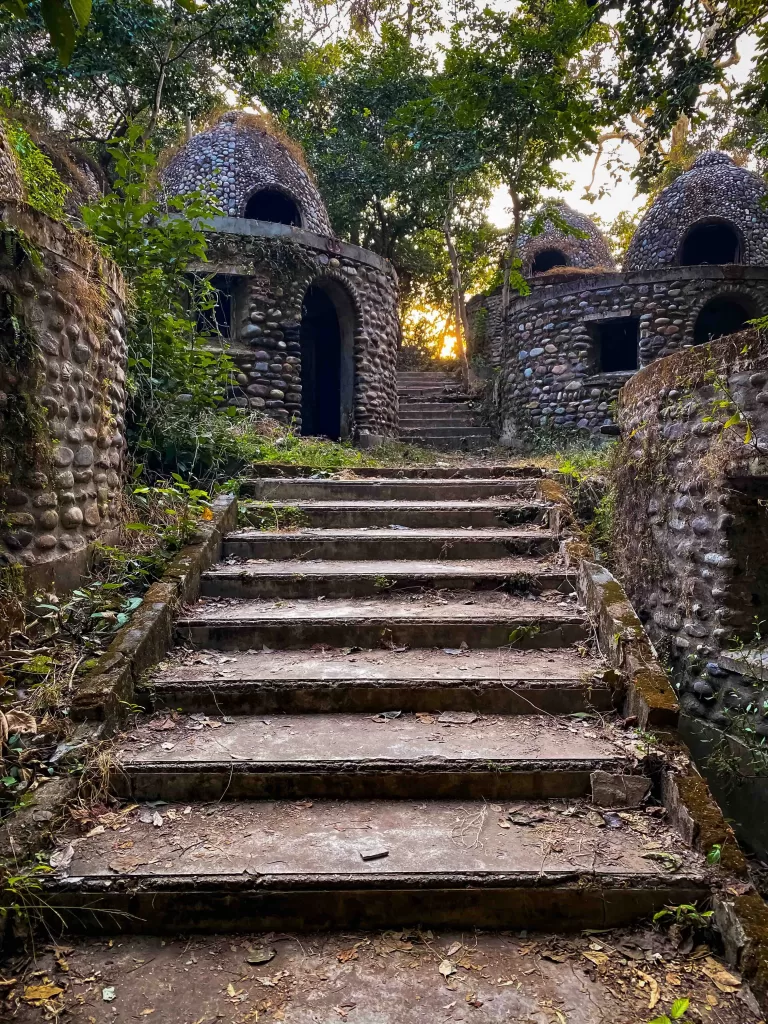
270,267
550,370
692,519
62,397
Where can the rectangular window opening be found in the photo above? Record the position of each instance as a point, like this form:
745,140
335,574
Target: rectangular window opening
218,320
616,342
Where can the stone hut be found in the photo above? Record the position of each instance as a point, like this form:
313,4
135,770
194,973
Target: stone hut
554,247
697,269
311,322
62,397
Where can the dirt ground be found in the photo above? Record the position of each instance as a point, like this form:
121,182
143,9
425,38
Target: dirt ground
618,977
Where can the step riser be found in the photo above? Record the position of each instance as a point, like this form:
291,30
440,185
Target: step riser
298,586
249,904
450,444
452,432
387,490
400,545
450,415
257,697
297,635
417,518
357,783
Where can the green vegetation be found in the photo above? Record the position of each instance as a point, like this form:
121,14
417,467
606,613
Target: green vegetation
43,188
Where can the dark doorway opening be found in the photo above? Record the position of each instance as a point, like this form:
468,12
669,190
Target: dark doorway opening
327,362
719,317
218,319
273,205
548,258
712,242
616,342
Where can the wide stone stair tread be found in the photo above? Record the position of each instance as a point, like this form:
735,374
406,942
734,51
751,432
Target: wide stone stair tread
324,742
382,488
354,680
277,865
326,578
415,666
425,513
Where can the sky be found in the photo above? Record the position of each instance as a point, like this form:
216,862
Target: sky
620,195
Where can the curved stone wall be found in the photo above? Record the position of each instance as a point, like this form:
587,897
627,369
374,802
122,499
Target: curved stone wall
239,156
713,189
589,251
62,397
551,377
270,268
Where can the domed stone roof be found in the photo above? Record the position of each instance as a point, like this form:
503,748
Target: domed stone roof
250,172
554,248
10,180
711,214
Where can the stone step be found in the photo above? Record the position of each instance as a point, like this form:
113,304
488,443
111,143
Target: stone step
355,680
290,579
417,376
439,419
356,757
468,442
449,432
421,514
488,621
383,489
387,543
259,865
435,471
410,391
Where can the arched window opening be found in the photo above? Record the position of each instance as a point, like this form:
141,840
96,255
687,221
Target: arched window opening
327,361
271,204
712,242
548,258
721,316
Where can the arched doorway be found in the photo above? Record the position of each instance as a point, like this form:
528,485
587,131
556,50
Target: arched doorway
711,242
547,259
327,361
720,316
271,204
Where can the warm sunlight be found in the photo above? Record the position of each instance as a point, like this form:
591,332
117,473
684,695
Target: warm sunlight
428,325
448,349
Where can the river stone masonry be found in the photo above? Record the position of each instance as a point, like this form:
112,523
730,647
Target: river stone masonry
714,190
266,272
697,268
62,391
691,507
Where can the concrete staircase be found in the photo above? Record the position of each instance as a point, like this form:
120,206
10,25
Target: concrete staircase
391,715
436,412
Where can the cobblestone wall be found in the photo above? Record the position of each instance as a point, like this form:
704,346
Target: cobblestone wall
238,156
713,189
692,516
551,373
62,398
270,270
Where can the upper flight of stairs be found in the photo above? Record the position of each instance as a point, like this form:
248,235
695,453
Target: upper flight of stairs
435,411
389,716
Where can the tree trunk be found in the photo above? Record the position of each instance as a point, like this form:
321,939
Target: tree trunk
509,258
459,305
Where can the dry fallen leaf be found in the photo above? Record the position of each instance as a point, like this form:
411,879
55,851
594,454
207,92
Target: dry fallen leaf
598,959
723,980
653,985
345,955
36,995
446,968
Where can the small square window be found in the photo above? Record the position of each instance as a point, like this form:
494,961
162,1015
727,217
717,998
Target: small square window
616,342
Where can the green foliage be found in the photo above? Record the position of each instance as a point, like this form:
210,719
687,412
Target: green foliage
63,20
43,188
172,510
677,1012
141,61
686,914
169,365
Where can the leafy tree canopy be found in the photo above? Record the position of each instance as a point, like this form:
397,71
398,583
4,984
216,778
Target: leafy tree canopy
140,61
